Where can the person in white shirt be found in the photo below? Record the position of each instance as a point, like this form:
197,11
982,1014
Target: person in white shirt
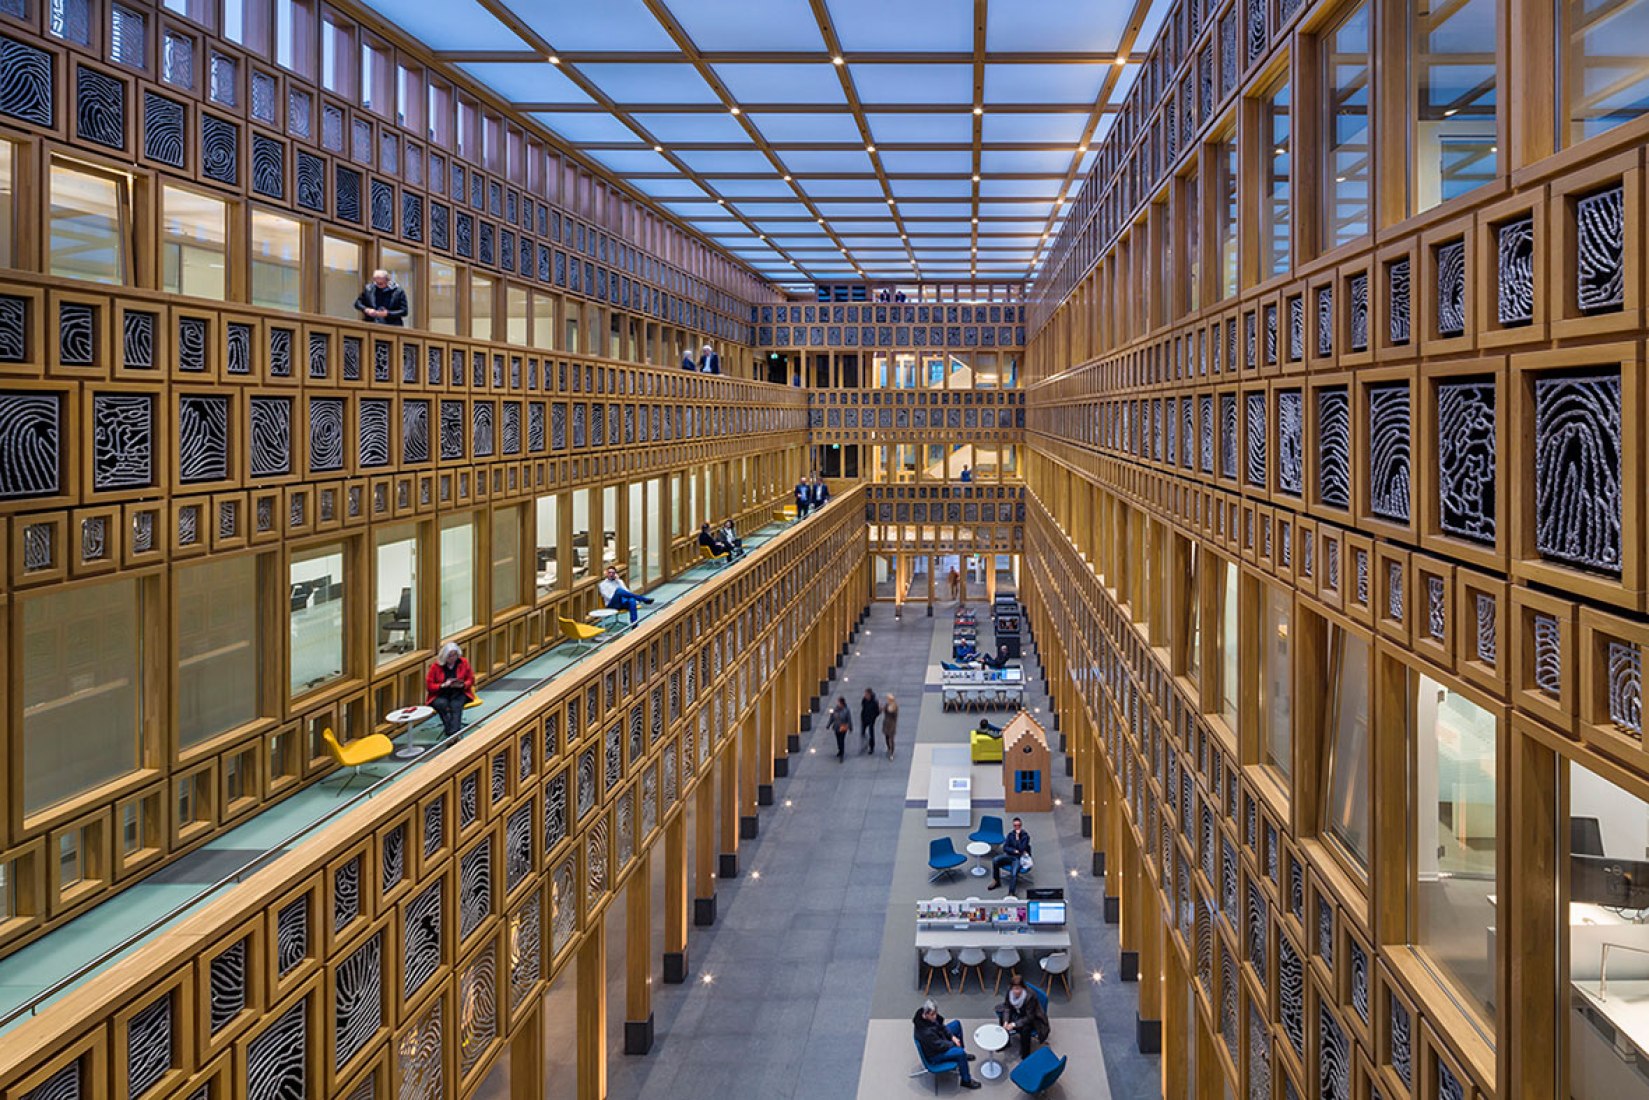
620,598
730,535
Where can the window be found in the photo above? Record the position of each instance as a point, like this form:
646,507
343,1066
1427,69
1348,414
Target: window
1347,167
1226,172
655,531
1345,807
1455,108
1456,743
610,544
547,519
457,575
82,690
396,604
277,261
636,514
8,205
90,219
1027,781
219,641
480,307
506,558
1191,225
1230,646
409,97
403,271
1276,684
581,533
443,297
543,321
377,93
516,318
341,275
1604,82
317,584
1276,216
194,243
1193,609
337,57
294,26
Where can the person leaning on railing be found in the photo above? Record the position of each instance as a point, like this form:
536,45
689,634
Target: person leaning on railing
382,301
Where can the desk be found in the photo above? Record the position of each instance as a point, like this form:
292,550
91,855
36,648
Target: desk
950,788
406,718
1039,941
992,1039
978,849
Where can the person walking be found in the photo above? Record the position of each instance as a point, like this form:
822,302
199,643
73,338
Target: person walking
804,497
869,710
839,722
890,722
954,580
818,495
450,684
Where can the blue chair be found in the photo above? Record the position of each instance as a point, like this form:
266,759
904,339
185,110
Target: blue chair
934,1068
1037,1074
943,858
989,831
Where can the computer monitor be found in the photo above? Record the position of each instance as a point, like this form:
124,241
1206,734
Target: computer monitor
1585,836
1046,913
1611,883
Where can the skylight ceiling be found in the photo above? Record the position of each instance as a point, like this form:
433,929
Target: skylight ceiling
842,137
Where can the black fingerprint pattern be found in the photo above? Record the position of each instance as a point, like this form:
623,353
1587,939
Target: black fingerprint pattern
1514,267
311,183
352,359
506,249
412,216
564,903
595,859
1359,570
1333,1057
474,888
1228,880
1296,329
555,811
422,1058
177,60
25,82
122,441
94,535
1359,980
1486,645
1325,933
238,342
276,1061
670,775
13,329
393,858
1334,447
517,848
625,818
421,951
649,801
1626,687
452,429
543,264
332,128
439,222
526,950
1206,421
535,427
468,801
1451,289
485,239
75,342
270,432
614,758
1600,248
280,352
268,166
137,346
291,936
358,1000
30,433
1228,1004
228,986
481,428
1402,1056
1388,435
1290,442
1448,1085
435,366
1259,1056
435,827
100,108
263,97
1257,33
383,207
1436,608
346,894
1291,994
464,235
1466,459
347,193
148,1047
320,355
62,1085
500,777
1399,302
1325,321
219,150
143,532
1228,435
372,427
1296,891
1258,921
477,1009
1254,458
1577,468
414,431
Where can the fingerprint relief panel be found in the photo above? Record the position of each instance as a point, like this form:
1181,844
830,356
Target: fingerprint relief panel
1577,456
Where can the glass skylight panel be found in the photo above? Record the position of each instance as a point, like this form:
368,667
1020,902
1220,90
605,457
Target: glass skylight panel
750,162
715,126
1125,81
1058,129
617,25
454,25
807,127
580,128
527,81
1154,18
652,82
835,210
627,162
903,82
1074,83
957,188
1044,161
834,161
923,129
775,83
958,161
908,28
738,25
1013,209
927,209
1028,26
755,188
865,188
680,187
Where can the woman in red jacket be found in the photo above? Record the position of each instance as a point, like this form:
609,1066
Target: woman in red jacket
451,686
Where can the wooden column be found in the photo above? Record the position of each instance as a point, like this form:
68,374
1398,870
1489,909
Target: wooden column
1148,1020
1130,885
1526,982
592,1013
727,765
526,1056
704,852
1112,853
749,752
762,718
638,957
675,900
1176,988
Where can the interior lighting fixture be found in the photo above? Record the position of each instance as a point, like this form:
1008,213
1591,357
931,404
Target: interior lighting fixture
554,60
838,60
736,111
979,110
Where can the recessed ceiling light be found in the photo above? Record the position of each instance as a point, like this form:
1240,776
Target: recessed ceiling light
976,179
976,221
979,110
821,221
1082,148
870,148
838,60
736,111
658,148
1122,59
890,202
554,60
721,202
787,179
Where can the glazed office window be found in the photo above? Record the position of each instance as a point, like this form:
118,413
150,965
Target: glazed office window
904,371
403,271
1010,370
517,319
1455,110
194,243
90,223
933,370
543,321
396,604
317,585
1230,644
635,507
377,75
1604,80
1276,704
984,371
409,97
277,260
82,689
1193,609
342,276
8,204
581,533
1277,173
337,57
1190,194
220,647
506,558
571,315
1226,173
611,535
443,297
1453,831
655,508
1347,165
294,35
481,306
880,370
1346,805
547,531
457,575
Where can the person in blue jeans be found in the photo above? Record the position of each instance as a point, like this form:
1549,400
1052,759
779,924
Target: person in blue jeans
618,597
941,1042
1015,847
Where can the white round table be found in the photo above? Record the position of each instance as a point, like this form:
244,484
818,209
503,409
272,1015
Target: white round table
407,717
978,849
605,617
992,1039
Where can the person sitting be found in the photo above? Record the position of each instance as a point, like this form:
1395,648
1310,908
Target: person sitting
998,661
1021,1012
450,684
709,540
382,302
1015,847
730,535
619,598
941,1042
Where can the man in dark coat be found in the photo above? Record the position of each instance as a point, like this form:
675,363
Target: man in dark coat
819,495
941,1042
804,497
709,361
382,301
1014,849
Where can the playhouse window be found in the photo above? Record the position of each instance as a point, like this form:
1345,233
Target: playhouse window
1027,780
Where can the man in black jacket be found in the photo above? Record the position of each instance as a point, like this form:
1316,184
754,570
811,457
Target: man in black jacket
382,302
1015,847
941,1042
819,494
804,497
709,361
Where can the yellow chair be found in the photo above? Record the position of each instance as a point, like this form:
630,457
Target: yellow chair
358,753
475,702
710,555
985,748
579,633
787,514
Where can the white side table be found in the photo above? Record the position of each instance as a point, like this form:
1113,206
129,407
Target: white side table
406,718
992,1039
605,617
978,849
